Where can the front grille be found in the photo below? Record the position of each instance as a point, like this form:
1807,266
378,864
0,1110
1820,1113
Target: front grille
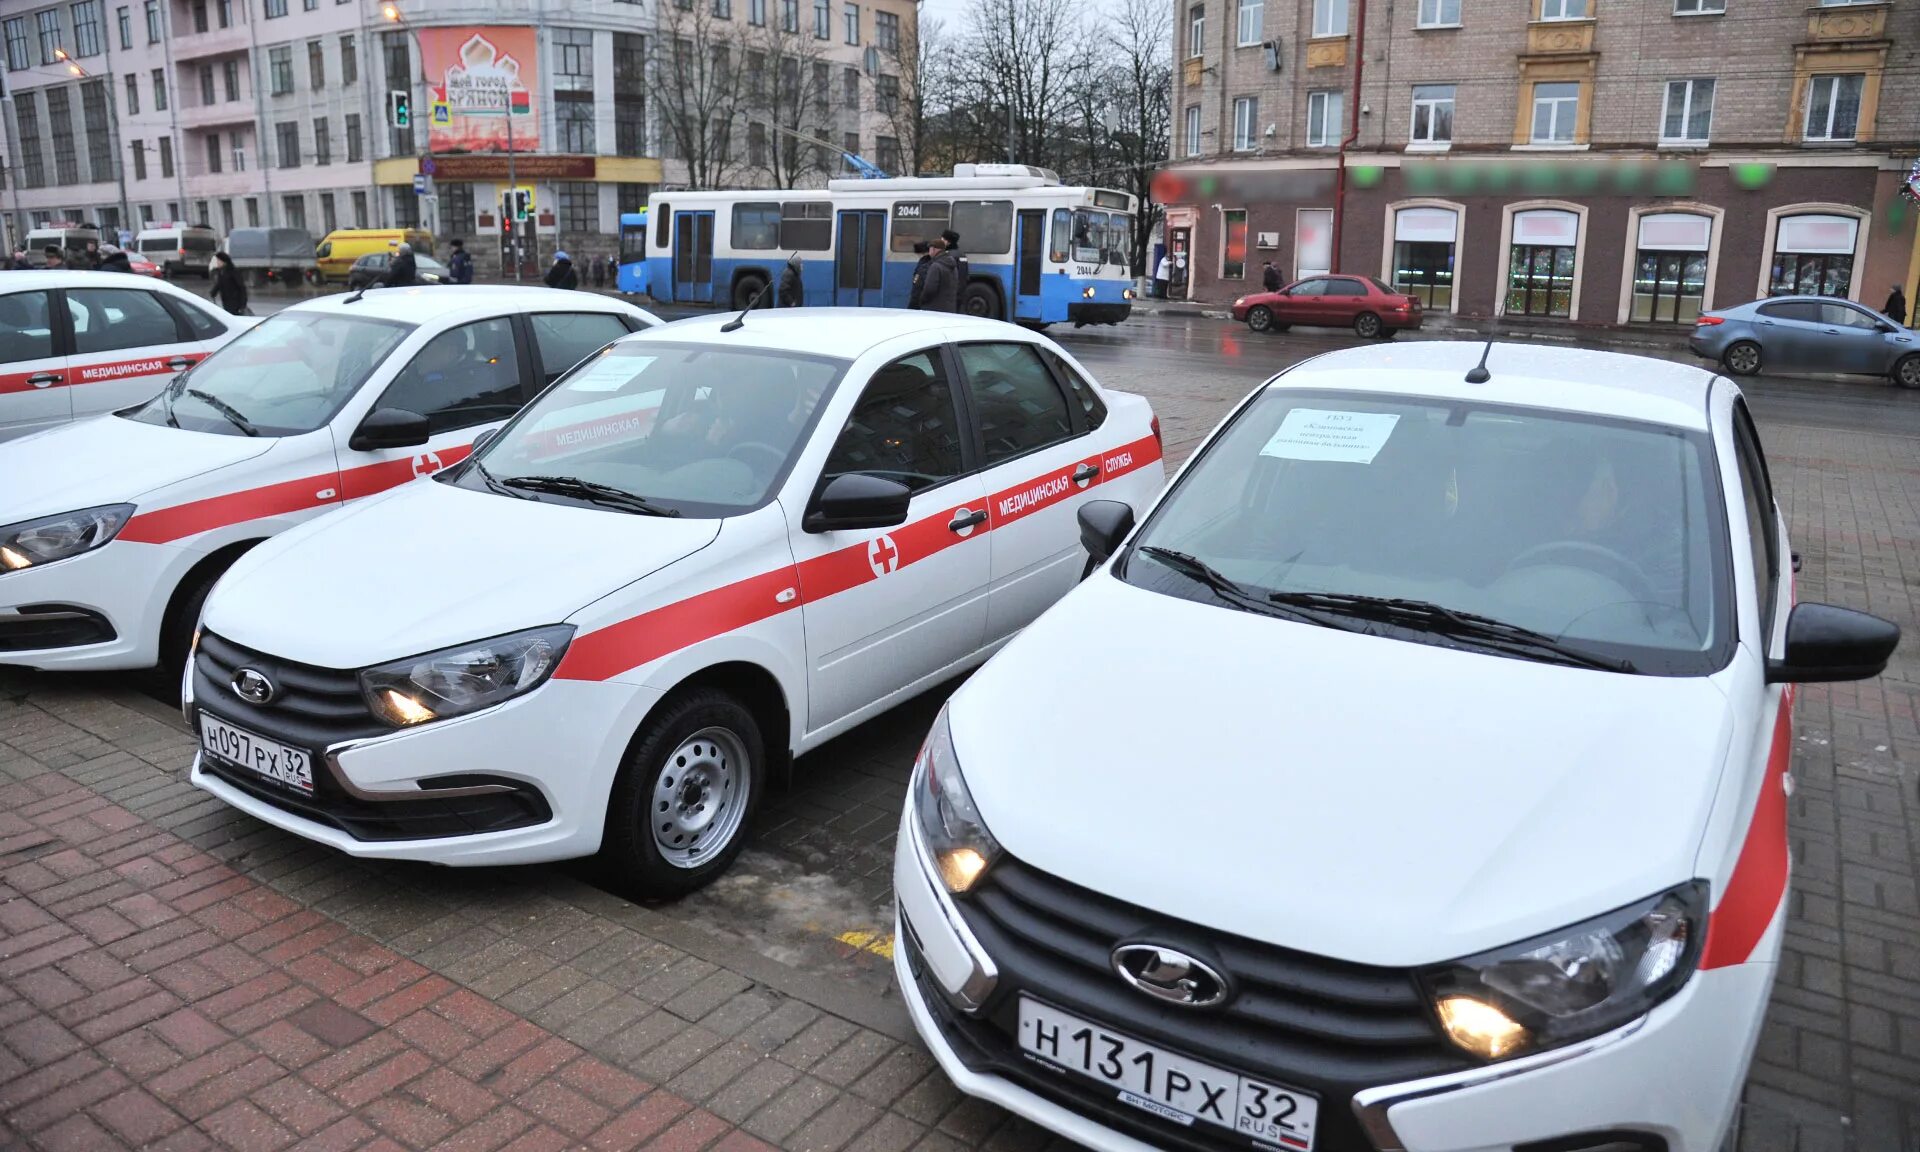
314,706
395,819
52,626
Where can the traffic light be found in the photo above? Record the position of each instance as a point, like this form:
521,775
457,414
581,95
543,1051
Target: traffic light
400,109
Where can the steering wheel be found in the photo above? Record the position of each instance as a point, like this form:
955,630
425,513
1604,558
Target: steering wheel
1595,557
774,454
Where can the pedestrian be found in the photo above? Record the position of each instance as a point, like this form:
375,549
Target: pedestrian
93,254
113,259
56,258
1270,277
922,249
228,286
793,289
940,291
597,271
562,274
1896,306
460,264
400,271
1163,275
962,274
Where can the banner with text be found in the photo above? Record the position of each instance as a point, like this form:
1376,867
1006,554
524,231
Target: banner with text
480,89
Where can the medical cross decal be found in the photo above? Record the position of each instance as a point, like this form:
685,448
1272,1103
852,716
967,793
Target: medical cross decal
882,556
426,464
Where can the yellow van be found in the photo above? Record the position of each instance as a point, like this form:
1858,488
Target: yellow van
343,246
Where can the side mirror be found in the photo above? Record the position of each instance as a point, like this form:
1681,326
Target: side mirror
389,428
858,501
481,440
1103,525
1826,643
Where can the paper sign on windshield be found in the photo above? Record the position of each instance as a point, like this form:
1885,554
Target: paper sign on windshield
608,374
1340,437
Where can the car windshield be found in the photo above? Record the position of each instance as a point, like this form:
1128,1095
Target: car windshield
695,429
285,376
1604,537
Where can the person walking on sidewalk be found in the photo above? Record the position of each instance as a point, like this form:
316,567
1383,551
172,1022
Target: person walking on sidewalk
1270,277
562,274
597,269
1163,275
793,290
1896,306
228,288
460,264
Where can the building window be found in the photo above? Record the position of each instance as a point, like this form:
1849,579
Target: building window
355,149
239,153
230,73
359,209
349,62
316,65
295,207
1326,111
226,215
286,140
886,31
166,164
1424,242
573,89
206,87
1688,117
1233,248
280,70
1540,263
1833,107
1670,268
1432,114
199,15
139,160
1196,30
19,54
886,94
50,46
406,208
823,19
1563,9
456,206
629,94
850,89
399,70
852,20
86,28
850,144
93,113
223,13
1813,256
1250,21
1844,3
253,212
322,141
123,20
276,8
723,9
757,13
33,172
1438,14
213,153
790,15
579,206
886,153
1555,109
1193,129
66,166
133,95
1246,114
1329,17
1698,7
329,215
153,21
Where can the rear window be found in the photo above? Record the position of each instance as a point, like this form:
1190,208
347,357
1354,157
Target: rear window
204,244
159,244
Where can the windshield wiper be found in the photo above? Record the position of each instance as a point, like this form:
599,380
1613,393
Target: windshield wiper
605,494
493,482
225,409
1426,616
1234,592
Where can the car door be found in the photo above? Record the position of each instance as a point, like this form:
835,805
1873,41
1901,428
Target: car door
887,608
464,381
1345,299
1303,303
1859,340
33,365
563,339
1789,333
127,345
1038,463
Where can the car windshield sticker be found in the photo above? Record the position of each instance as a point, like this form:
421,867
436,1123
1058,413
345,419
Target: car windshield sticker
1341,437
609,374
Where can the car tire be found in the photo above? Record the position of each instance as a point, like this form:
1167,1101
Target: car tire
1367,326
1742,358
182,618
745,289
1907,372
977,299
668,833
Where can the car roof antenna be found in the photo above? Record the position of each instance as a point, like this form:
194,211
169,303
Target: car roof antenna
740,321
1478,374
359,292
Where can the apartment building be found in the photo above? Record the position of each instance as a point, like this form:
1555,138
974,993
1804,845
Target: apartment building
1585,161
277,112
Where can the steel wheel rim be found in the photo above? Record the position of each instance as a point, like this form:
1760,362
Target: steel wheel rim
700,798
1744,358
975,305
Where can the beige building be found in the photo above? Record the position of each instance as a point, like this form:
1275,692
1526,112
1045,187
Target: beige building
1592,161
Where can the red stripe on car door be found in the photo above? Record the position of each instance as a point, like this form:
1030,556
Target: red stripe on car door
1759,879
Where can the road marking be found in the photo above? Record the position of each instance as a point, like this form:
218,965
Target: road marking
878,943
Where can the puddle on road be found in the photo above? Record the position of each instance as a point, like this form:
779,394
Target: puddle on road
802,918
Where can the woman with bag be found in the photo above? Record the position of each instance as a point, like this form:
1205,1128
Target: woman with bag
228,288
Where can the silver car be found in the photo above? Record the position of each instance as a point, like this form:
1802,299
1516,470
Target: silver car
1810,334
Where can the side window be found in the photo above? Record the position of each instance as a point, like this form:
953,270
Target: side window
756,227
1345,288
469,375
26,328
200,324
566,338
1841,316
663,228
1761,524
1083,393
1057,236
1018,405
109,319
1309,288
1803,310
905,426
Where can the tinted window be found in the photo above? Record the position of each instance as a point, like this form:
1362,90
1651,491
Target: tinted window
1309,288
663,223
1345,288
1842,316
1792,310
806,227
199,322
985,226
26,332
1384,290
1081,391
1760,519
108,319
566,338
904,427
1019,406
468,375
201,244
756,227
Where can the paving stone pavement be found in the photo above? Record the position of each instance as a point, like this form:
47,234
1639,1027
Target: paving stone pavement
176,975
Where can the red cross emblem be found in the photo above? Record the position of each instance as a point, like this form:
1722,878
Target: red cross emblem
426,464
882,556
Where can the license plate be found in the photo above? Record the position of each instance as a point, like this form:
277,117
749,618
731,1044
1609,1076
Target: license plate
275,761
1170,1086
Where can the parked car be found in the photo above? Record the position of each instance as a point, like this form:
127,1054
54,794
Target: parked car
1361,303
1471,668
1808,334
341,248
369,268
76,344
144,267
75,240
702,552
116,527
179,249
273,255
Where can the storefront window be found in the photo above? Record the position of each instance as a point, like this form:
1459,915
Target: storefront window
1233,263
1813,256
1423,254
1670,268
1540,263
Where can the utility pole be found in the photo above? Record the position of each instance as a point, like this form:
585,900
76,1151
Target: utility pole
260,115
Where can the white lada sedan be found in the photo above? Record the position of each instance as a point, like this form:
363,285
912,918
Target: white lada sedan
713,546
1414,778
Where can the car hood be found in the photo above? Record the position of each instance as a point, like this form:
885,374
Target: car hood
1374,800
107,460
429,565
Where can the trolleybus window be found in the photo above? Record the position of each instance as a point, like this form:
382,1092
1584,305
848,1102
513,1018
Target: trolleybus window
806,226
756,226
917,220
985,226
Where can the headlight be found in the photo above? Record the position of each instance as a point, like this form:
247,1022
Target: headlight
1240,303
957,838
53,538
1126,294
1569,985
455,681
1087,292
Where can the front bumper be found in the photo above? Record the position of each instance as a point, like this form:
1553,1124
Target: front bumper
1672,1077
111,599
1096,312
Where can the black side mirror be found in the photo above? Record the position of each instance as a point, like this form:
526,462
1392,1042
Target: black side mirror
481,440
389,428
858,501
1103,525
1826,643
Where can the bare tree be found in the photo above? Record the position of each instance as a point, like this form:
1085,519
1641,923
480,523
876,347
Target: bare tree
780,100
1024,57
1142,69
696,89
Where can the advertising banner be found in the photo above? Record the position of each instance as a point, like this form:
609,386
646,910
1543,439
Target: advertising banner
480,85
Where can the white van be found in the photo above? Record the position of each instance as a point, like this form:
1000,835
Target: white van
75,239
179,248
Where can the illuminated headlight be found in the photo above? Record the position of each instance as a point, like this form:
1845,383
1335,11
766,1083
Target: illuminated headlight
455,681
53,538
1240,303
957,839
1126,294
1087,292
1569,985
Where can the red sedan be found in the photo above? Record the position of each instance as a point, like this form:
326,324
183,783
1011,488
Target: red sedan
143,267
1361,303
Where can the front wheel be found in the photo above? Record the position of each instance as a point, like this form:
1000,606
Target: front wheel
1366,326
1907,372
1742,358
1260,318
980,300
745,289
679,811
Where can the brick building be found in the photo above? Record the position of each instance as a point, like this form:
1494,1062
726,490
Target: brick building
1592,161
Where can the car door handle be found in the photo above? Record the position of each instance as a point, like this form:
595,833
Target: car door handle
1085,473
1766,323
1833,331
964,519
44,379
180,362
1796,561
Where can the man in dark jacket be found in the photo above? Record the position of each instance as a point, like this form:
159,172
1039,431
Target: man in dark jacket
228,287
924,251
940,290
400,271
562,274
962,274
793,290
460,264
112,259
1270,277
1896,305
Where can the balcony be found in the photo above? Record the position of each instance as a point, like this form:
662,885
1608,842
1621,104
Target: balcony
193,116
188,45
